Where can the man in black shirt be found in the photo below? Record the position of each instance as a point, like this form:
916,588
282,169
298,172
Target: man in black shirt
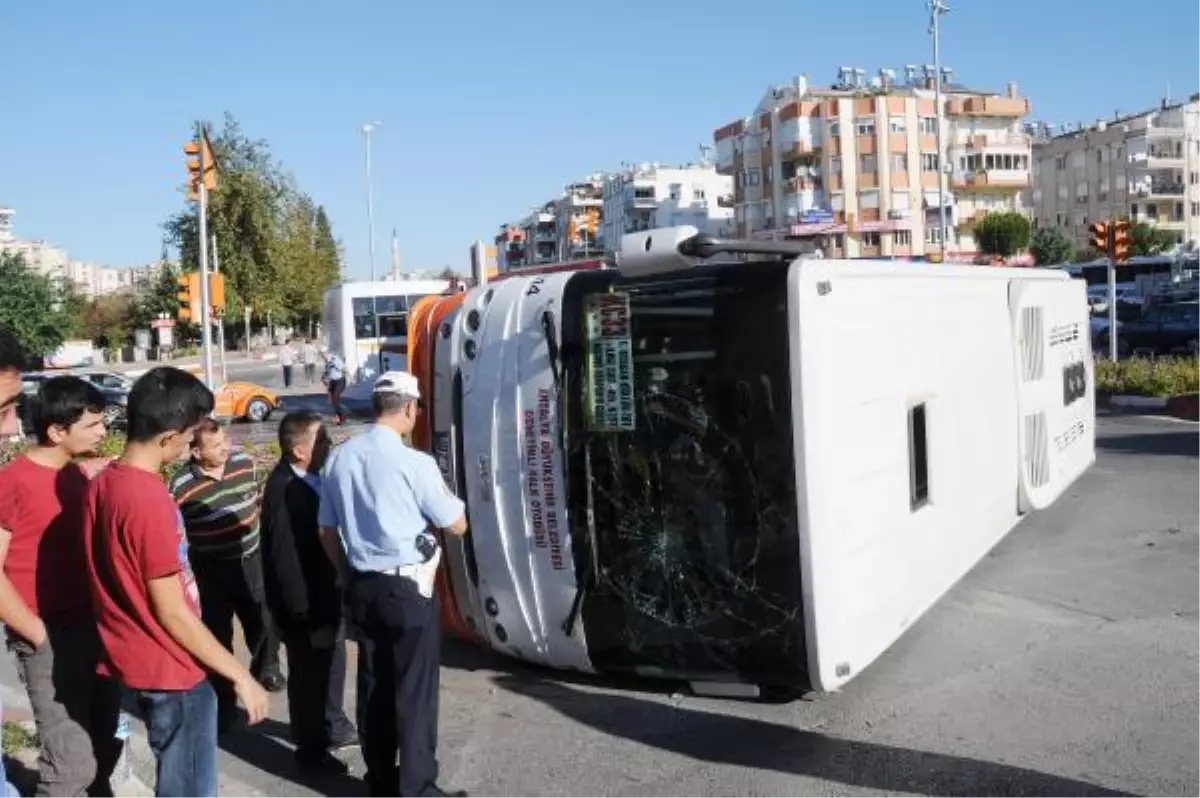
303,595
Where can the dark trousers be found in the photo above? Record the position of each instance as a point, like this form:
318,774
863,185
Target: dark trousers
76,711
398,674
287,376
235,587
181,728
316,693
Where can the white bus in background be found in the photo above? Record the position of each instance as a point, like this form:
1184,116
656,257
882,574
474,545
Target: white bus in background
348,319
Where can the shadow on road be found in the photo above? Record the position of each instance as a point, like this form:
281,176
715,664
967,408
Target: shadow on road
752,743
262,747
1182,443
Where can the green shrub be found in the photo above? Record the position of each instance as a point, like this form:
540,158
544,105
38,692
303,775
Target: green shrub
1171,376
16,737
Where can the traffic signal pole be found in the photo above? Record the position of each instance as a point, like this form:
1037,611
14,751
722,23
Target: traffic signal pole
1112,293
205,303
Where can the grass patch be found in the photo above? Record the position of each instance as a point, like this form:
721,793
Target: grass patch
1160,377
17,738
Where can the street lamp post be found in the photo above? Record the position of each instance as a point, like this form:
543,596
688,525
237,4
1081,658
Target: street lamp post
367,130
937,8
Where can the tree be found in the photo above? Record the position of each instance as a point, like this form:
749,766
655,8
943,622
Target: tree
448,274
161,296
275,247
107,320
1146,239
1050,246
36,308
1002,234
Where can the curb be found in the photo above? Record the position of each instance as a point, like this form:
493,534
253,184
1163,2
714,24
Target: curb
1182,407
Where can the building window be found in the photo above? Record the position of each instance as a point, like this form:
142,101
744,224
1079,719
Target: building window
929,162
697,193
835,130
865,126
929,125
869,239
866,163
676,190
835,164
896,124
933,234
1099,156
899,162
902,238
1196,209
1060,162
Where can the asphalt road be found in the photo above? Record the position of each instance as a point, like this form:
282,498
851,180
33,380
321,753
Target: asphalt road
1064,664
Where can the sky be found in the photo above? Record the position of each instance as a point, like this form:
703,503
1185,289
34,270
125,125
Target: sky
487,107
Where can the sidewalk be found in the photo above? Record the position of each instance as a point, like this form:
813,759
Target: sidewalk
253,762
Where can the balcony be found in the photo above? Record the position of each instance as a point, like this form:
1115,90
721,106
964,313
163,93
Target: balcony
798,149
725,202
993,179
1161,188
799,183
642,199
994,106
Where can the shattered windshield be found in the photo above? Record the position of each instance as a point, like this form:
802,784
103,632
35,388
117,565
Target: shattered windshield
680,470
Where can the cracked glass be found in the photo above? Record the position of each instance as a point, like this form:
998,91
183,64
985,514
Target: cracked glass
681,481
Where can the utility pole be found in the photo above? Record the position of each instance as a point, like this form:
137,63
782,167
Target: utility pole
221,318
937,8
367,130
205,306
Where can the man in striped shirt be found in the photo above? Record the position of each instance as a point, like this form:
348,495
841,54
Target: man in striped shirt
217,494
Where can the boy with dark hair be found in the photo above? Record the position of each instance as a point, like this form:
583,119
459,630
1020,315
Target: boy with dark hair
304,596
44,599
143,592
217,493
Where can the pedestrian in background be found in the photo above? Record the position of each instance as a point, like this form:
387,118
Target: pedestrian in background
44,598
144,595
217,494
308,356
304,596
335,382
287,359
378,499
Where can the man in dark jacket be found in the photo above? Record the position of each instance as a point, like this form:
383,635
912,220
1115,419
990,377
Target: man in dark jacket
303,595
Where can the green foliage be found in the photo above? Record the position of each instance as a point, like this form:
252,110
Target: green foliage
1087,255
37,309
17,738
106,321
162,296
1170,376
275,246
1050,246
1146,239
1002,234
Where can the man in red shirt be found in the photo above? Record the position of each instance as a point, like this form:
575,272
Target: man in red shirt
44,599
144,594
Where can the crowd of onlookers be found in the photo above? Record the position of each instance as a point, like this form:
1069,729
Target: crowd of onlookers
118,589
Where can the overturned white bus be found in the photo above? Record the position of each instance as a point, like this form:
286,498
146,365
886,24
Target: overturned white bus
749,475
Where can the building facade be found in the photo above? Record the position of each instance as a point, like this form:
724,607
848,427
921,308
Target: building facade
90,279
652,195
569,227
1144,167
857,165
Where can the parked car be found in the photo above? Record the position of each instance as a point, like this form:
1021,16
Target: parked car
115,388
246,400
1161,330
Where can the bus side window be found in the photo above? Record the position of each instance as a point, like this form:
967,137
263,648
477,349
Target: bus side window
918,457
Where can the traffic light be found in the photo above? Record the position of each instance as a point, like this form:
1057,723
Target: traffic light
1121,241
189,297
1098,237
216,293
201,166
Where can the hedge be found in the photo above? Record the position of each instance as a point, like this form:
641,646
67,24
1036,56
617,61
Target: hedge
265,455
1159,377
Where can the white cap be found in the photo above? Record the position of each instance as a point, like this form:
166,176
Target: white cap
399,382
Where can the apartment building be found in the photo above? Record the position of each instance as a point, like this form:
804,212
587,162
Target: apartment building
1144,166
569,227
647,196
91,279
856,165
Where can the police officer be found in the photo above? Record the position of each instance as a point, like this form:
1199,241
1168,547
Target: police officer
379,498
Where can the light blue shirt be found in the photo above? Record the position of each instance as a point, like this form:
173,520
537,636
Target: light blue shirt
382,495
334,370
